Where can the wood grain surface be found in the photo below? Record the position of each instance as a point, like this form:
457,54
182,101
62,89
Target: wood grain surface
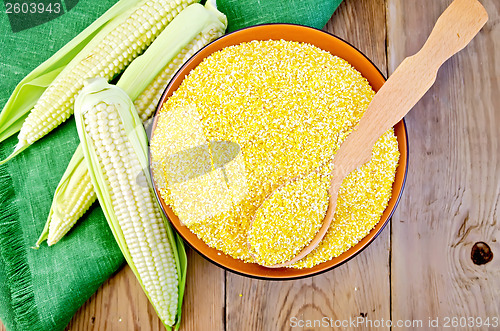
451,199
431,262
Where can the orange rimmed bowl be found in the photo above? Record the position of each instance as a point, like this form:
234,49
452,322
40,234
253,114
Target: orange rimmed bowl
335,46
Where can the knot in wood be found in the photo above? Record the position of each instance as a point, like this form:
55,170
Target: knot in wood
481,253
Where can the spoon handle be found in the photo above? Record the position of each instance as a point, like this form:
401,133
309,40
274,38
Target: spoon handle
454,29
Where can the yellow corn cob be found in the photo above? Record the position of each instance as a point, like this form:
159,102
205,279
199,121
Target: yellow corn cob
114,144
102,58
74,194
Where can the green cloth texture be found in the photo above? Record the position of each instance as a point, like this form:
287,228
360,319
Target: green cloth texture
42,289
243,13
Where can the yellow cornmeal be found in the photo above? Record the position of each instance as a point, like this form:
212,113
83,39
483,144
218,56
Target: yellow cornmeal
289,219
288,106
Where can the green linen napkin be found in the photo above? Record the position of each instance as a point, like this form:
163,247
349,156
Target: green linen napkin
243,13
42,289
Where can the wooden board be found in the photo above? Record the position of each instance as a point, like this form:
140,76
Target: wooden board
451,198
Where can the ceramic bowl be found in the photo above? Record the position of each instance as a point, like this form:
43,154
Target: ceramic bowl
335,46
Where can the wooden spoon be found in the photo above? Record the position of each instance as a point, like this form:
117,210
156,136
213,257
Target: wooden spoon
454,29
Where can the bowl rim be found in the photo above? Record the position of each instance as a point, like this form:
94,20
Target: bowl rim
307,275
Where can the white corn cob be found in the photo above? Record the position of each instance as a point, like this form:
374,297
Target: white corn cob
101,58
66,208
114,145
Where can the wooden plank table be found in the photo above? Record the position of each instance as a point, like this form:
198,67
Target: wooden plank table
431,263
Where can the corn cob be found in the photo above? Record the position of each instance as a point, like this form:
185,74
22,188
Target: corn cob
114,144
105,57
31,87
74,194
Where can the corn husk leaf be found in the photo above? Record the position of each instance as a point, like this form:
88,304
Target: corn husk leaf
181,263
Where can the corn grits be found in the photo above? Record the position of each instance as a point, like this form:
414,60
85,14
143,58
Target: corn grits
288,106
